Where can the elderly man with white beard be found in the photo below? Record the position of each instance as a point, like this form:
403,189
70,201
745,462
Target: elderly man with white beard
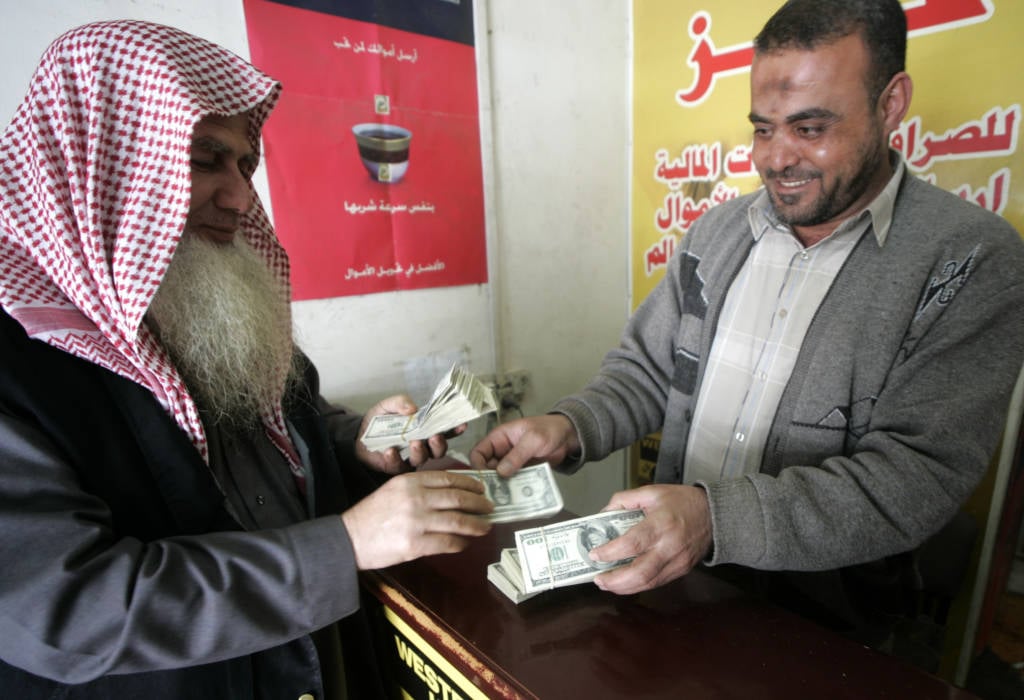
183,514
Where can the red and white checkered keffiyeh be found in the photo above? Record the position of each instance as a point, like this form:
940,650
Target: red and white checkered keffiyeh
95,181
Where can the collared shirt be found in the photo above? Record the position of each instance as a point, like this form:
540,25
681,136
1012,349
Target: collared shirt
763,323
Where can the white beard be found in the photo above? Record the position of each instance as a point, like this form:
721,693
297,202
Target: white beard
225,321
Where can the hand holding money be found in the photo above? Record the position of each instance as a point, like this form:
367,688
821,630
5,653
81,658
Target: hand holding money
531,492
459,398
558,555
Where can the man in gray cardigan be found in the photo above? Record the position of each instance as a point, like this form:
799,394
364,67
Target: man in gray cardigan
829,359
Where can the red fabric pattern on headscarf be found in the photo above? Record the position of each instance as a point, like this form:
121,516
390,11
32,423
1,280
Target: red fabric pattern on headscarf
95,182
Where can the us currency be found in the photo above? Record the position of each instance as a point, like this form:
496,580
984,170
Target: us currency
510,564
558,555
532,492
458,398
499,576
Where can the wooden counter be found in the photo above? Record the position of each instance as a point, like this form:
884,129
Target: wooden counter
446,632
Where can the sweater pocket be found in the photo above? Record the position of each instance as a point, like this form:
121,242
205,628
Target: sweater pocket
820,433
684,374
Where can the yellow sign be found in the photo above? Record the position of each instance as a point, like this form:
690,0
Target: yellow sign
691,140
429,675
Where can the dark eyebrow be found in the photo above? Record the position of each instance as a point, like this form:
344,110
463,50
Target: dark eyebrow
212,145
812,113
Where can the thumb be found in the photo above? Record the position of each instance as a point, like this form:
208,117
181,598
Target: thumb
515,459
400,403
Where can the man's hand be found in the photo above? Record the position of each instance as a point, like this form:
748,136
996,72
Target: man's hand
511,446
674,536
414,515
390,461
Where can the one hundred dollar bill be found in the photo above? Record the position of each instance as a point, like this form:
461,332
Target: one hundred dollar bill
388,427
458,398
532,492
558,555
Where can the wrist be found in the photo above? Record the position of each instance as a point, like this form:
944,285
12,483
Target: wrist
571,440
707,526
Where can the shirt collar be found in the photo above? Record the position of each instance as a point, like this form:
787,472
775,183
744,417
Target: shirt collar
878,212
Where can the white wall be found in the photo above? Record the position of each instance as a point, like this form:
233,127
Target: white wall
554,115
559,84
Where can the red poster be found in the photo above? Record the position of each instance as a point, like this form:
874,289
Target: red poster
373,152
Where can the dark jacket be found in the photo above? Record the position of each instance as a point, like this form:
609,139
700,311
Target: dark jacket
107,427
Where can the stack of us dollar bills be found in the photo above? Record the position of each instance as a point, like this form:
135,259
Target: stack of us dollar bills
458,398
558,555
507,576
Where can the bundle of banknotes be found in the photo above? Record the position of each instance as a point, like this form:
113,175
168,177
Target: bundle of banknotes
458,398
557,555
507,576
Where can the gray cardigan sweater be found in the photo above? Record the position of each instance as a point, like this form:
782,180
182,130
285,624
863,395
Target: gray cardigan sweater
893,410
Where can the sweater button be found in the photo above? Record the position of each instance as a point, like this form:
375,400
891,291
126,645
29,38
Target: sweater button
306,696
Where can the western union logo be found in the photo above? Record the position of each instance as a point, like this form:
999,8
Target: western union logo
440,680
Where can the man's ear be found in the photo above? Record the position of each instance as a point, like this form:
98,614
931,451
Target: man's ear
894,102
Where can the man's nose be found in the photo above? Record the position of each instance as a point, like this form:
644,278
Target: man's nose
782,153
234,192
